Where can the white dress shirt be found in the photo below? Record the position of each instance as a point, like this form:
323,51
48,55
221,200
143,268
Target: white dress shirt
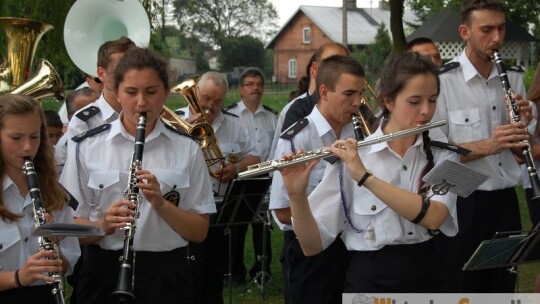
98,175
366,210
232,139
279,125
76,126
260,126
317,134
16,241
473,107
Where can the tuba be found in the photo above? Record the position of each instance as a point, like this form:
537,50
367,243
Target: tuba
15,76
200,129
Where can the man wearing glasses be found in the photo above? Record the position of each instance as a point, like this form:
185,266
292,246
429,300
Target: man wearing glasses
259,121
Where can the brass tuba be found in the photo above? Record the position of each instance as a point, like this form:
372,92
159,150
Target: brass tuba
23,37
200,129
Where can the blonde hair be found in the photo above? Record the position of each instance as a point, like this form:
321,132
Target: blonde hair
54,197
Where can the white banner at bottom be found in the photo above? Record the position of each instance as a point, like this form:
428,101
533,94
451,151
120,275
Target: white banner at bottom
440,298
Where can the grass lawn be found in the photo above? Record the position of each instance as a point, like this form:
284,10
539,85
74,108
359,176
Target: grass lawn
272,292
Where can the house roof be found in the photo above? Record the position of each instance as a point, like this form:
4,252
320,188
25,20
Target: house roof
362,22
443,26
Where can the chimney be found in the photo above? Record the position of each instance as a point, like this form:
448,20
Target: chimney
350,4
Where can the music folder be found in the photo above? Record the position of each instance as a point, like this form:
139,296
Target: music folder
64,229
241,202
506,249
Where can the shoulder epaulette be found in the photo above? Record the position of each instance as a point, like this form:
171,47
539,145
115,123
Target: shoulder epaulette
294,129
179,132
450,147
86,114
234,105
270,109
448,67
228,113
179,112
515,68
91,132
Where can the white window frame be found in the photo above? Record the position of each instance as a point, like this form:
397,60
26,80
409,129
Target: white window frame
306,35
292,68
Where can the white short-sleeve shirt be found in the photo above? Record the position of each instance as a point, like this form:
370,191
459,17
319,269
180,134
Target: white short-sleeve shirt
97,176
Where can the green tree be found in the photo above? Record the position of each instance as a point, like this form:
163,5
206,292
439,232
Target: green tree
374,55
215,21
241,51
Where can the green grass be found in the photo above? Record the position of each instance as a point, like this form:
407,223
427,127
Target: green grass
273,290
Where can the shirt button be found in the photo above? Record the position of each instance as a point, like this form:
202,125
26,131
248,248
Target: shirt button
26,239
494,107
100,186
404,167
373,207
466,120
500,164
409,233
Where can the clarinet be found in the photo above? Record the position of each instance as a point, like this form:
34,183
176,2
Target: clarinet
513,109
123,292
57,288
357,127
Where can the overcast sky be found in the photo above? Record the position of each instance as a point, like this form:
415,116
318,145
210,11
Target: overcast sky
286,8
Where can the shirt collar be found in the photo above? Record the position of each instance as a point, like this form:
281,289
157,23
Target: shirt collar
322,125
7,183
118,129
384,145
106,110
469,71
242,107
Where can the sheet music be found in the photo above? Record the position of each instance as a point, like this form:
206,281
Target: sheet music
460,179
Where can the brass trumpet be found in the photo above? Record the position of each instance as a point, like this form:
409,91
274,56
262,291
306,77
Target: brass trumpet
368,113
200,129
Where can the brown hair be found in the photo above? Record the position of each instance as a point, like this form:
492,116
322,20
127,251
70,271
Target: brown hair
332,67
120,45
54,197
141,58
469,6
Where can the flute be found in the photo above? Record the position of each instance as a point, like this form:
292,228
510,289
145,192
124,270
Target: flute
273,165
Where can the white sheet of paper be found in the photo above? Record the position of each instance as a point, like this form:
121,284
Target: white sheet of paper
461,179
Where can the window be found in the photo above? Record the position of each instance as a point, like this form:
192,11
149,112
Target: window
292,68
306,35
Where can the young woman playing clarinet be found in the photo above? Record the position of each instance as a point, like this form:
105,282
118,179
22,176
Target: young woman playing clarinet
24,265
383,211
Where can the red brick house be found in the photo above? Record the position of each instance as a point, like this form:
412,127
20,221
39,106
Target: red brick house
312,26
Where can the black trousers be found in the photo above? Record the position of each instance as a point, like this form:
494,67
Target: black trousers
31,294
208,263
160,277
315,279
479,216
393,268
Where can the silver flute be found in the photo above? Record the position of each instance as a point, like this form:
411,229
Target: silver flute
273,165
57,287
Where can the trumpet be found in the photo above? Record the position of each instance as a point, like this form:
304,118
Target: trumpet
57,288
513,109
273,165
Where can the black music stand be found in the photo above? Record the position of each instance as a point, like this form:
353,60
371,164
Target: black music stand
240,205
506,249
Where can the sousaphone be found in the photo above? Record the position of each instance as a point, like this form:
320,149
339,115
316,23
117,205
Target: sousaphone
90,23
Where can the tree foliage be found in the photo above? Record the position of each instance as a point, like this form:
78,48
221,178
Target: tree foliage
241,51
374,55
214,21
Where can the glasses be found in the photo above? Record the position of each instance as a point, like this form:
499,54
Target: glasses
254,84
